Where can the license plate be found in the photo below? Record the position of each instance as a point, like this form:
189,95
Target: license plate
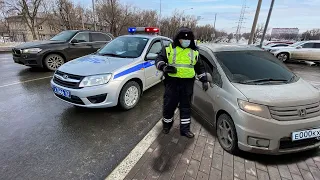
306,134
62,92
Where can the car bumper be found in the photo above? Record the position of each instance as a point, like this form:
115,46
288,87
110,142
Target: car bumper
277,132
32,60
108,95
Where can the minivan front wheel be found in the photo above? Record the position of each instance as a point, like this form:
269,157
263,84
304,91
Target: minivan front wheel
227,135
53,61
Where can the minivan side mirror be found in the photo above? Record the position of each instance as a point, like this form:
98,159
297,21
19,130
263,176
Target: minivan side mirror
152,56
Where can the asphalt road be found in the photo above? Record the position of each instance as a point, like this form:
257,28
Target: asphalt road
42,137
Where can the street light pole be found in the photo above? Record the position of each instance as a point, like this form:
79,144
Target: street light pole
253,29
159,20
215,18
267,23
94,15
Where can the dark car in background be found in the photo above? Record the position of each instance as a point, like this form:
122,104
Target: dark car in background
63,47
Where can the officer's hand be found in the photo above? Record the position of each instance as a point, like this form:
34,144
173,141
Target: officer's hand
170,69
205,86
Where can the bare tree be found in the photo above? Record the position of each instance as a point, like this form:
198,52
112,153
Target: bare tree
258,33
313,34
230,36
29,11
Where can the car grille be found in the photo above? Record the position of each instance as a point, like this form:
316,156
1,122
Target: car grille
67,80
16,52
73,99
295,112
287,143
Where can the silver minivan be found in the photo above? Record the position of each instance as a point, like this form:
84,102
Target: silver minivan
256,103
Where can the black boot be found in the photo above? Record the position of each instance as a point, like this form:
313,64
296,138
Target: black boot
166,126
188,134
185,130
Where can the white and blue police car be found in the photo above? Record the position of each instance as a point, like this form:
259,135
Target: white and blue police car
116,74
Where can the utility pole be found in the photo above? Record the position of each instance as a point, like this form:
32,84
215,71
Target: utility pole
94,15
267,23
253,29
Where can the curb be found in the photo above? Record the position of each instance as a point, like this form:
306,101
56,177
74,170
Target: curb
121,171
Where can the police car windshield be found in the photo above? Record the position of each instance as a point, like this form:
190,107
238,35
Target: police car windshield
124,47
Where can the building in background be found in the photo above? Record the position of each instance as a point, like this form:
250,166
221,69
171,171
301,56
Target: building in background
284,33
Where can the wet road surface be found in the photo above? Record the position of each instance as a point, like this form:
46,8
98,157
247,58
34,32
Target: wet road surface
42,137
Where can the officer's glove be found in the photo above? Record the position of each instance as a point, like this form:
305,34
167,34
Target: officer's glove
170,69
205,86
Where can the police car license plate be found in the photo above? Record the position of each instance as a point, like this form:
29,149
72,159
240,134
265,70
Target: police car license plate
62,92
306,134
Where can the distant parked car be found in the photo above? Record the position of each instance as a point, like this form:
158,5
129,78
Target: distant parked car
63,47
268,47
279,42
301,51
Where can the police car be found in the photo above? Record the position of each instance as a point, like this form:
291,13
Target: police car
116,74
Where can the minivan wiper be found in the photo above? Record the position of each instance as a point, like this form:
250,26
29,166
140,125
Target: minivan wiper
264,80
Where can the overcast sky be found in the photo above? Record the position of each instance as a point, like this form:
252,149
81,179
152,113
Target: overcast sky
303,14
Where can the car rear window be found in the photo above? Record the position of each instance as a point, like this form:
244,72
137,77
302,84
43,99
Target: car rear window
241,66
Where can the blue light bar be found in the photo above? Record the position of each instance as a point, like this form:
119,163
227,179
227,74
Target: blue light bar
132,29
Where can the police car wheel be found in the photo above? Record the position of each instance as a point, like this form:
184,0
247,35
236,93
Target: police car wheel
130,95
53,61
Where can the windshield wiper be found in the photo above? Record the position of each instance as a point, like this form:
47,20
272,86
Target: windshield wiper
110,54
264,80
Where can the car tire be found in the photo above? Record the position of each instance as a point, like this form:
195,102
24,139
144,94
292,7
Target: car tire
284,57
129,95
226,134
53,61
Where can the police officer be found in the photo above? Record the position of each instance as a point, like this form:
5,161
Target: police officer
180,64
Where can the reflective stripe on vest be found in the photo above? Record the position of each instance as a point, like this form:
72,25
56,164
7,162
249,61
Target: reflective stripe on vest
183,59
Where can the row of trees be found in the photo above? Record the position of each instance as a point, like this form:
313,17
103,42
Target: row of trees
111,16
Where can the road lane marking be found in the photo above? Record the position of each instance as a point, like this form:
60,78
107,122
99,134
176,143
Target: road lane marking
121,171
26,81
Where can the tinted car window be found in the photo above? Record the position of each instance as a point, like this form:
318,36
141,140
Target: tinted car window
125,46
308,45
100,37
244,66
63,36
317,45
82,37
280,45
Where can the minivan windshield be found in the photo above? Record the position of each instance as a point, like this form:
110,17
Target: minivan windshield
254,67
124,47
63,36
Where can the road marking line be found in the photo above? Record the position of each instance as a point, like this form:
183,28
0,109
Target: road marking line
121,171
26,81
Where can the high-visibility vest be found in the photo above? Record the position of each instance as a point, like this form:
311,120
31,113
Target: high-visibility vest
183,59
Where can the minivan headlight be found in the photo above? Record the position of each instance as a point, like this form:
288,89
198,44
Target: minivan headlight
95,80
255,109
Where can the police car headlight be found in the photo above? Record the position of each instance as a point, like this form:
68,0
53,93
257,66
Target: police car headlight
95,80
274,50
31,50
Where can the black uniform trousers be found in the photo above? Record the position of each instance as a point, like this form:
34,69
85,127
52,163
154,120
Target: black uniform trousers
178,91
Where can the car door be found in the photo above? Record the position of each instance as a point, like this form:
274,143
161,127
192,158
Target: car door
152,74
80,45
302,53
99,40
316,52
204,101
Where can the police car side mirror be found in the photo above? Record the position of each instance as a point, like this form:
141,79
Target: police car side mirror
152,56
299,47
74,41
